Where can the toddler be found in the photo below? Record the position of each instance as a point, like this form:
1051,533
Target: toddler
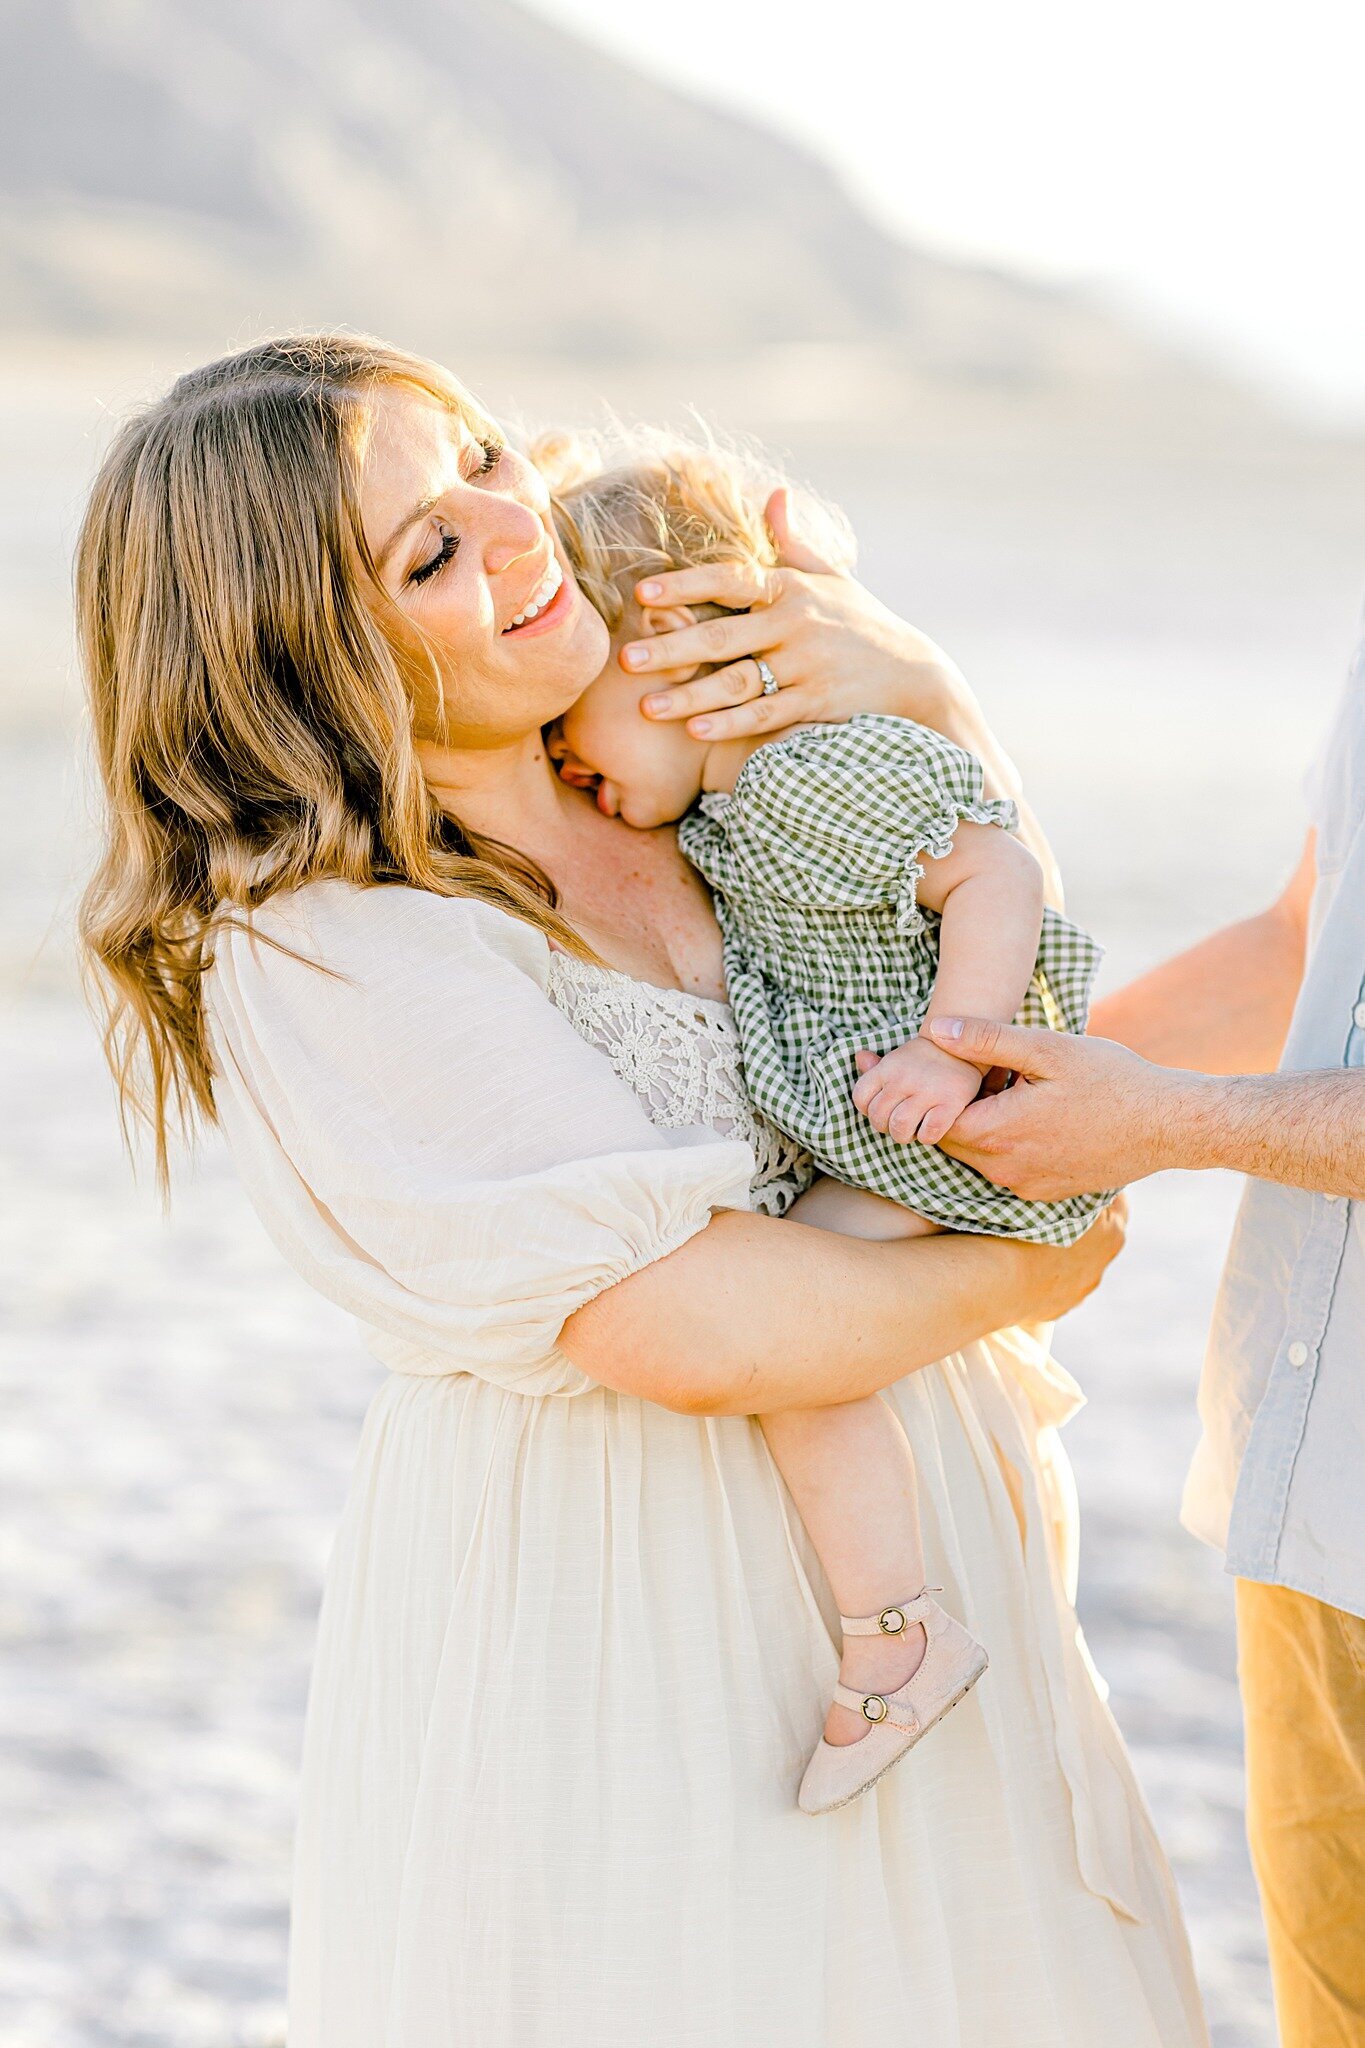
864,883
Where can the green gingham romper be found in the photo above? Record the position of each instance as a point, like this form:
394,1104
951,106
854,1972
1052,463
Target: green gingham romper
814,861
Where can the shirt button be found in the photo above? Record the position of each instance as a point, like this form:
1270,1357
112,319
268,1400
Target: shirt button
1297,1354
1358,1014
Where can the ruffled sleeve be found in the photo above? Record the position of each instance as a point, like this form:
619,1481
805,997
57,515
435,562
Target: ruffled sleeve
842,816
429,1142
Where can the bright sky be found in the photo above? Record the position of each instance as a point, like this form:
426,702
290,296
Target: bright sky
1199,161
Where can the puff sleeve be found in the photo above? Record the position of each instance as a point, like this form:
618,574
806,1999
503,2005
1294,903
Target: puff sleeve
841,817
429,1142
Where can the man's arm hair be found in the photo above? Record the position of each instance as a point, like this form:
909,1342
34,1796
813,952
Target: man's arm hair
1223,1008
1086,1114
1305,1130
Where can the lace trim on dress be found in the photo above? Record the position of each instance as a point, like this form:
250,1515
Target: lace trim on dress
680,1055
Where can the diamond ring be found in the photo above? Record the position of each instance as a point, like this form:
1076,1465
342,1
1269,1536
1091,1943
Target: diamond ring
771,686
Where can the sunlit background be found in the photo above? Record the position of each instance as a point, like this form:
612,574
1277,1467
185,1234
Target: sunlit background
1195,165
1064,305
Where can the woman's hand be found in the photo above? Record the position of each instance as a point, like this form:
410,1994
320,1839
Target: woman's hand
834,649
1061,1278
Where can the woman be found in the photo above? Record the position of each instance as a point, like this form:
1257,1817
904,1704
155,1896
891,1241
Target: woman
572,1650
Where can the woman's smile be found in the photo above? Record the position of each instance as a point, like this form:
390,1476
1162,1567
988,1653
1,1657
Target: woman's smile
540,607
460,528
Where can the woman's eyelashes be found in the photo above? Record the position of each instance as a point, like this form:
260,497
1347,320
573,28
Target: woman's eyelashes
492,451
435,563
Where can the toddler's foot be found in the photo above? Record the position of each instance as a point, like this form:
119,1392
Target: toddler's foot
874,1664
943,1661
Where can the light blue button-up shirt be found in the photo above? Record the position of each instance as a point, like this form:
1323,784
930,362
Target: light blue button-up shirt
1278,1480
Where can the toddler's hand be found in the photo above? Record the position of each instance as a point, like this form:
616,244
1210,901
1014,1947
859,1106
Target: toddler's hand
916,1092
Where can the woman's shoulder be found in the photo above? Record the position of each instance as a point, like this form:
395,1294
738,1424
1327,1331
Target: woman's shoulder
385,928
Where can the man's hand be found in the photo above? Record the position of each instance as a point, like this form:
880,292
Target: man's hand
1083,1114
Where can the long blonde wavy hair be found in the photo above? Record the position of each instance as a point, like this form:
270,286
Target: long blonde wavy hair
252,723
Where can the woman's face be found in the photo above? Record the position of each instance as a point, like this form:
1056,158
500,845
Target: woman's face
461,533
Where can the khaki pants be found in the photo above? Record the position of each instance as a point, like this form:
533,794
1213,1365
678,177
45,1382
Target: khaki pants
1302,1668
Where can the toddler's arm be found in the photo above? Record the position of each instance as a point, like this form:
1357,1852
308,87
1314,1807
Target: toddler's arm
989,893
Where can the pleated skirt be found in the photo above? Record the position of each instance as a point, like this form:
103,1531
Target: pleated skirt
573,1656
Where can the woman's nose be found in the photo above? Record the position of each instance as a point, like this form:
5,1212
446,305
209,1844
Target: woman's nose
514,530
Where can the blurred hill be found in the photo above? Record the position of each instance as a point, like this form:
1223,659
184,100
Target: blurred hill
463,174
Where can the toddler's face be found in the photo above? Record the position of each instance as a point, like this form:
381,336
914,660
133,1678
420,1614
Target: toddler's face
645,773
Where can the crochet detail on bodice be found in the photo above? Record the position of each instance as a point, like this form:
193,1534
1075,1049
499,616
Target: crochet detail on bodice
681,1056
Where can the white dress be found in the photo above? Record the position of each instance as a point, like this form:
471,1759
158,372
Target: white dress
574,1649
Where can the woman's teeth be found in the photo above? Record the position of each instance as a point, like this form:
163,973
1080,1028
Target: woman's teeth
544,591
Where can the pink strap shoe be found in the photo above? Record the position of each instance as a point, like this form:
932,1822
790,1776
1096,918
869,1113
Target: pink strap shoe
953,1661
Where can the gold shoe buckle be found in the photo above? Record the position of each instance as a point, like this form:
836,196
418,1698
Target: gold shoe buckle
891,1621
875,1707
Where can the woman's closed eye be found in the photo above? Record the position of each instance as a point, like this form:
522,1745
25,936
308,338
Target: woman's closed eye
491,453
435,563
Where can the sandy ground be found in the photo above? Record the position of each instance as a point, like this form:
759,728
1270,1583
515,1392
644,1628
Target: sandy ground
1160,638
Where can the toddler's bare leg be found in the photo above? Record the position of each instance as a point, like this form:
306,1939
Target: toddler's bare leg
851,1475
856,1212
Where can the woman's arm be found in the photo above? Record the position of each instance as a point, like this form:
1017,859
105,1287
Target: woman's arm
755,1315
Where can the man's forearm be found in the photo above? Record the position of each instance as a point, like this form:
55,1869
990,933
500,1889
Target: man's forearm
1304,1130
1223,1006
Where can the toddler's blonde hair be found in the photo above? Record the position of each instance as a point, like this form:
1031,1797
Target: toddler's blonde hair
646,501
